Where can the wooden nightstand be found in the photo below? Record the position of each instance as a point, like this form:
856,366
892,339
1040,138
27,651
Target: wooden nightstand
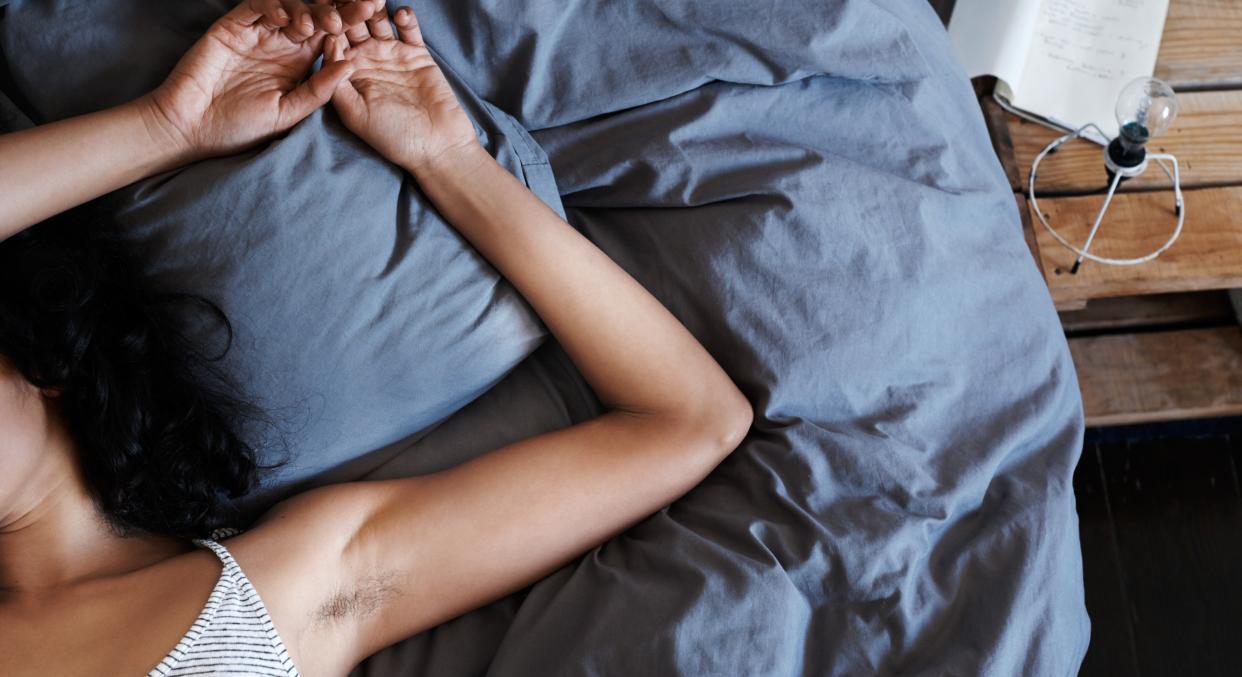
1160,340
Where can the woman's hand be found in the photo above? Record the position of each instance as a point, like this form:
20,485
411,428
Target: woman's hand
245,80
396,98
241,83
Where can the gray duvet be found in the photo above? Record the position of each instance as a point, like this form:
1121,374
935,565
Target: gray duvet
809,187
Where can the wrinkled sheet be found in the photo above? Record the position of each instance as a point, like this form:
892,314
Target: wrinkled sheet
809,187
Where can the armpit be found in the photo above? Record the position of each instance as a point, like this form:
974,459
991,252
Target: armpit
365,598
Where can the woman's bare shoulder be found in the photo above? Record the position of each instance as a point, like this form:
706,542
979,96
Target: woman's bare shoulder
115,625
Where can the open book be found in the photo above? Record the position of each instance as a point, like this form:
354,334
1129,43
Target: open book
1062,62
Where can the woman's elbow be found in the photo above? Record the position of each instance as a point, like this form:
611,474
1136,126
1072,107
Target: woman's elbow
728,420
712,421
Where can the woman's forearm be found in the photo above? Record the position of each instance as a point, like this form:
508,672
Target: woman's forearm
629,347
49,169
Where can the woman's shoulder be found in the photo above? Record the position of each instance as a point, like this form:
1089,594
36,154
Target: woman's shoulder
121,624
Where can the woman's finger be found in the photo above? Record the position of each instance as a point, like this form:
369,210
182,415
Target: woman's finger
378,24
301,24
274,15
334,48
327,19
345,97
312,94
358,33
247,13
358,11
407,26
354,14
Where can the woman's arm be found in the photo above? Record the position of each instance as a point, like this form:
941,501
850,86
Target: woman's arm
242,82
51,168
349,569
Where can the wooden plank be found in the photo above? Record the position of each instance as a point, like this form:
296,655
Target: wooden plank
1206,138
1177,514
1032,243
997,120
1159,376
1202,44
1158,310
1028,232
1207,256
1069,305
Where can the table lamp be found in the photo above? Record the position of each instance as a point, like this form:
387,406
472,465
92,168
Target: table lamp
1145,109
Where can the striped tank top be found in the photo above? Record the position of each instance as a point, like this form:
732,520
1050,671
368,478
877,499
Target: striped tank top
233,635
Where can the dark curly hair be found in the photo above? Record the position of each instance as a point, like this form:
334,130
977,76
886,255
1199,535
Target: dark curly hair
157,427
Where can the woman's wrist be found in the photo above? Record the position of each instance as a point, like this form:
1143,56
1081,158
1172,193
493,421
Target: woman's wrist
451,167
48,169
172,146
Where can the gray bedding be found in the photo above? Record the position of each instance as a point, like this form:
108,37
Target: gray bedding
808,185
362,317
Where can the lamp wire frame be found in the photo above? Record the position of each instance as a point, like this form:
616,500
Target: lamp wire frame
1084,253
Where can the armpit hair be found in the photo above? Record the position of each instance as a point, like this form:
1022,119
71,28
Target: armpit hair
363,599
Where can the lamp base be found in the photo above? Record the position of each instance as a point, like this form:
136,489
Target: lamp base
1122,161
1128,160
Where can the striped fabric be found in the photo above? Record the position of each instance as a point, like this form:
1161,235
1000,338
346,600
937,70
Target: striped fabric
233,635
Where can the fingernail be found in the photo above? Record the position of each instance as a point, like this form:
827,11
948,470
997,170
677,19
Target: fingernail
308,24
282,15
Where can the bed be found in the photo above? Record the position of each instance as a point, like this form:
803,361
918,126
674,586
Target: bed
807,185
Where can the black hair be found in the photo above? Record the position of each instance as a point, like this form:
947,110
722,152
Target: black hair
156,424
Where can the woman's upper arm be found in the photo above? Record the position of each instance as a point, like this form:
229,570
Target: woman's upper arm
394,558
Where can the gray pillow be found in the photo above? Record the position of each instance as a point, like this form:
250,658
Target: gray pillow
361,317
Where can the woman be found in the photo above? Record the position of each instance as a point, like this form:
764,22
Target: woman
96,578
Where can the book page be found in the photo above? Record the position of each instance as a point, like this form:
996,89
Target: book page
993,37
1083,53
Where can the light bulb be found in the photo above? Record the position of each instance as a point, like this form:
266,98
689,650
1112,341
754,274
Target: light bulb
1145,109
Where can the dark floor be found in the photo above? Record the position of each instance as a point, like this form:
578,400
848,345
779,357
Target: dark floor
1160,512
